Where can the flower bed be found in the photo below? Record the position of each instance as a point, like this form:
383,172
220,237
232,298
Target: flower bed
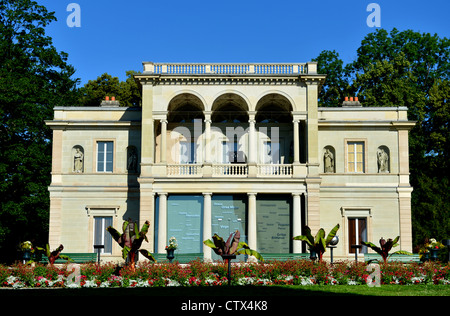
294,272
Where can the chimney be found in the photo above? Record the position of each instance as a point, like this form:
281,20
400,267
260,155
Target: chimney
110,103
353,102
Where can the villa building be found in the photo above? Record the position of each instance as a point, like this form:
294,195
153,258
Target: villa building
220,147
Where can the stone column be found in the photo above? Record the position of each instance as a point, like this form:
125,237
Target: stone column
296,221
207,225
147,212
147,131
207,138
251,139
163,148
296,141
252,229
162,222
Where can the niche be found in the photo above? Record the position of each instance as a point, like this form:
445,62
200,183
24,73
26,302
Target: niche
77,159
132,159
383,158
329,163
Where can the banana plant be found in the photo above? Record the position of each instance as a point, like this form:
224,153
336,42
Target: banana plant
55,254
131,240
319,243
231,247
385,247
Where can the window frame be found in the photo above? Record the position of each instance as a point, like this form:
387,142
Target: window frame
351,212
103,233
97,143
349,141
101,211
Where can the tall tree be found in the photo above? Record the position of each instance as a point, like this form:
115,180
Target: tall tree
34,77
410,69
127,92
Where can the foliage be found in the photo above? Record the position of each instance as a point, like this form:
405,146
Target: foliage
34,78
127,92
55,254
319,243
385,247
197,273
412,69
231,246
131,240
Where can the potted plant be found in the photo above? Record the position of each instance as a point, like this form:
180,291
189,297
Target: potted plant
434,247
131,240
171,248
26,247
318,244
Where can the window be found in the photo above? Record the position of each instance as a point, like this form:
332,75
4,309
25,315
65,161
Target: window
229,152
105,156
355,157
357,232
187,152
101,236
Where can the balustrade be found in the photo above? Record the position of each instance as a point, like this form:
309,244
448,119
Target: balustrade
226,68
276,170
184,170
230,170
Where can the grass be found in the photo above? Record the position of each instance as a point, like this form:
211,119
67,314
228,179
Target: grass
243,291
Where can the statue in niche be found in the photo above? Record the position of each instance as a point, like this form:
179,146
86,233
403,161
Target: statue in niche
383,160
328,159
78,160
132,160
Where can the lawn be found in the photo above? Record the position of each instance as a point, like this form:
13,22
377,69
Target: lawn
241,291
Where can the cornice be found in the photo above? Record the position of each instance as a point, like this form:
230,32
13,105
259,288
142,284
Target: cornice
219,80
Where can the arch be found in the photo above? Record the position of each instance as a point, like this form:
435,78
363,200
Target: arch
383,159
185,107
329,159
274,108
230,107
78,159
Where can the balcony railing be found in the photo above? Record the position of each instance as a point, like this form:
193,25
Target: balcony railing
184,170
230,170
275,170
226,68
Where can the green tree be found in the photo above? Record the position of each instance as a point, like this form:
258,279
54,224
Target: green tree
127,92
337,85
34,77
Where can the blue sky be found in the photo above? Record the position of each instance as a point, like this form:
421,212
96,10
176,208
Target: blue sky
116,36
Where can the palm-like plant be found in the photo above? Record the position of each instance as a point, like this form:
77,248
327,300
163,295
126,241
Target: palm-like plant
385,247
131,240
231,247
55,254
319,243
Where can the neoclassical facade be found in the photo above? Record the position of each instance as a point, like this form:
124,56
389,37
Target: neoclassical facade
220,147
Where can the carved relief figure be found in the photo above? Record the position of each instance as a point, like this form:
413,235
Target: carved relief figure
328,161
383,160
78,160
